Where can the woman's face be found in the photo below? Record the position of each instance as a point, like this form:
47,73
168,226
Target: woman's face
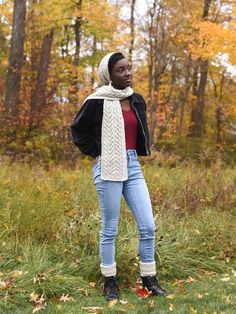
121,74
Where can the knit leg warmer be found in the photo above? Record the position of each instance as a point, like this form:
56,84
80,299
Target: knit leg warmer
108,271
147,269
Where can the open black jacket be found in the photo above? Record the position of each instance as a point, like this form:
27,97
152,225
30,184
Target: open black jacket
87,126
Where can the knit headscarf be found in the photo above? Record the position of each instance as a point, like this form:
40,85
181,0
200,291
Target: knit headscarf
113,146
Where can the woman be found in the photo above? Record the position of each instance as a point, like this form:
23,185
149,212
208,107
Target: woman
111,127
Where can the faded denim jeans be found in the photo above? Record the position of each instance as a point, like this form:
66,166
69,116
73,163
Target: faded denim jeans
136,195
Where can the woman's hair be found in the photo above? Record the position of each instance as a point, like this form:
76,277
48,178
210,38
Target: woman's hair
113,59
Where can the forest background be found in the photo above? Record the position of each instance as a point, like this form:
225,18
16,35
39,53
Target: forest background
183,61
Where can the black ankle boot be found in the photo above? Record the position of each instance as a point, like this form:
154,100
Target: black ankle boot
111,289
151,283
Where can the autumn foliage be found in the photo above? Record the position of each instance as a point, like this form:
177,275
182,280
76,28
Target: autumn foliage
183,59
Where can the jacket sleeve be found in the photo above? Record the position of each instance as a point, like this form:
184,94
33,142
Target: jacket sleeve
82,129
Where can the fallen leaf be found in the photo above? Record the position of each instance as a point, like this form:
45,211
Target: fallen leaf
226,279
1,274
20,258
178,282
151,304
40,277
199,296
190,280
16,274
65,298
38,299
92,284
227,300
123,302
94,309
170,296
143,292
192,310
171,307
37,308
5,284
112,303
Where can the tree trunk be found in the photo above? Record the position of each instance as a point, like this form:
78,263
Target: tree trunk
184,96
197,115
77,29
39,98
73,96
218,111
131,47
12,96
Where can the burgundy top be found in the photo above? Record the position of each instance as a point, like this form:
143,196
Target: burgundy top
131,128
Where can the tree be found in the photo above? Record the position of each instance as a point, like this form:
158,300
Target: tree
12,98
197,114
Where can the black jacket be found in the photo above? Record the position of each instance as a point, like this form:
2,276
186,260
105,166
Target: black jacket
87,125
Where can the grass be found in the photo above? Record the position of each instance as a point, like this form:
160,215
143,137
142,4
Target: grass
49,229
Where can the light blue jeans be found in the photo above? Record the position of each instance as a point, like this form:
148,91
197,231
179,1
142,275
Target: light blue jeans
137,198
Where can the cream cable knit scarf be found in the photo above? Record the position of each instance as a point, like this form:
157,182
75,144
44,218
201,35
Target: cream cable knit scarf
113,146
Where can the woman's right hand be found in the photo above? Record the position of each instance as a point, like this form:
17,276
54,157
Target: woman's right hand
96,160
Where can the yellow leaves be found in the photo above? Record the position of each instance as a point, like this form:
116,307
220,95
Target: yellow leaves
151,304
192,310
16,274
170,296
190,280
171,307
225,279
92,284
209,39
112,303
94,13
228,300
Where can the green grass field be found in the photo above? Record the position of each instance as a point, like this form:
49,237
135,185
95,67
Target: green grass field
50,223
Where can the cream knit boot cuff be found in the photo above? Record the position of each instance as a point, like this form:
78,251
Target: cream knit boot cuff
147,269
108,271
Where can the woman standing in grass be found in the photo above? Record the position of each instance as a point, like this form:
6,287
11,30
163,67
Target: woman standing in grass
111,127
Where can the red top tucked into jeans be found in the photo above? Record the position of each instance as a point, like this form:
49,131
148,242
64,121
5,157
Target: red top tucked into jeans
131,128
